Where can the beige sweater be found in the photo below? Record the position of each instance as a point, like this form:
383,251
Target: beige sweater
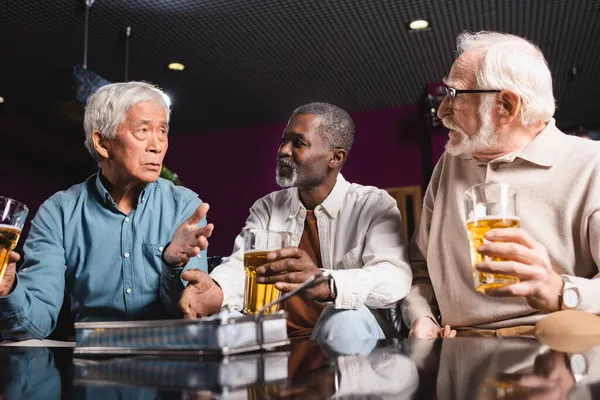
558,179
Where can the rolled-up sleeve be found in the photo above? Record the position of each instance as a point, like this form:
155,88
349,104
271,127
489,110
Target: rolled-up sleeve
31,310
230,274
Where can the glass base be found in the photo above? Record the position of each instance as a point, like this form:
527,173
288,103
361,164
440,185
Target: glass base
486,280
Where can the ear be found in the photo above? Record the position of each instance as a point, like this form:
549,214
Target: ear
100,144
510,106
338,157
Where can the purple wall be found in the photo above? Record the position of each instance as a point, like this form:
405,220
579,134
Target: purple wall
232,169
229,169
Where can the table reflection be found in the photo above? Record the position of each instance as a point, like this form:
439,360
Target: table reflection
461,368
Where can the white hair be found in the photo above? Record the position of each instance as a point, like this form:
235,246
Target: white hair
108,107
509,62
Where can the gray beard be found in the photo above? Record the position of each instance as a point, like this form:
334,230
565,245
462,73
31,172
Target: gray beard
286,182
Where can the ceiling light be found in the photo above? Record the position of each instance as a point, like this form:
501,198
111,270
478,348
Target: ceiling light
176,66
418,24
1,99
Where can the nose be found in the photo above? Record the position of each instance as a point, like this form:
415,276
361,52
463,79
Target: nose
155,145
445,107
285,150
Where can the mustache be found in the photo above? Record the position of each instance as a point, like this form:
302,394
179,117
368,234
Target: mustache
282,162
448,123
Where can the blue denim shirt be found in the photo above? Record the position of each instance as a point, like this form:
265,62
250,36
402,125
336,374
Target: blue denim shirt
109,264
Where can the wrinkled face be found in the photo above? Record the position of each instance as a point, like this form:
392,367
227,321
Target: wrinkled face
303,157
469,115
141,142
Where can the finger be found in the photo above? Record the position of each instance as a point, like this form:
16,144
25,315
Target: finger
286,287
277,267
198,214
286,252
521,289
521,271
452,334
205,231
194,275
290,277
13,257
516,235
511,251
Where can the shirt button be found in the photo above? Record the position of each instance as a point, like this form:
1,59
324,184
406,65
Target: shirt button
128,290
161,248
494,166
126,255
302,213
295,238
126,219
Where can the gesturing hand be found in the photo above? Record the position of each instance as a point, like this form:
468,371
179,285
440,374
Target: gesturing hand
424,328
528,259
287,268
188,240
201,297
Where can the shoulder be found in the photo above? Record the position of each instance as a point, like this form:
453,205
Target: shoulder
65,198
368,195
168,189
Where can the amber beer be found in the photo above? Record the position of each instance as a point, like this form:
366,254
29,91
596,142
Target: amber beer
257,244
489,206
476,231
257,294
9,236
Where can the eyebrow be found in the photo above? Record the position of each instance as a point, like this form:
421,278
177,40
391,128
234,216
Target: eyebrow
147,121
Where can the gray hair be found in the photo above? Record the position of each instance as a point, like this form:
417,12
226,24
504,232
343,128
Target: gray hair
509,62
108,107
335,125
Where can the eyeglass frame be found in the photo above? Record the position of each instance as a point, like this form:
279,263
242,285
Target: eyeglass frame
451,92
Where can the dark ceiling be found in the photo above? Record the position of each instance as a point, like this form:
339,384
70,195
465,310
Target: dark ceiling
254,61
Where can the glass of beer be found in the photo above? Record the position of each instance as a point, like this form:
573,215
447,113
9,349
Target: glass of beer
489,206
257,244
12,219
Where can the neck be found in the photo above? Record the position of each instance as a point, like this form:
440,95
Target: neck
513,139
124,192
312,196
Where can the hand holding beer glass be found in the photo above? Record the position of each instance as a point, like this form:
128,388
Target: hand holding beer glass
257,244
489,206
12,218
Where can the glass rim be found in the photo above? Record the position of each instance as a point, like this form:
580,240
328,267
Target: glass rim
285,233
487,184
17,202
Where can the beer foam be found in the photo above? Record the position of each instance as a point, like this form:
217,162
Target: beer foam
494,217
10,228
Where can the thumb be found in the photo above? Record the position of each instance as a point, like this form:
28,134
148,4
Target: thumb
198,214
13,257
194,275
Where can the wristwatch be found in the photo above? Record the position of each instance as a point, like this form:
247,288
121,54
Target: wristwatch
569,296
578,366
332,288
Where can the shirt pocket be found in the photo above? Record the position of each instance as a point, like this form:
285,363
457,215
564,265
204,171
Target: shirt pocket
152,254
352,259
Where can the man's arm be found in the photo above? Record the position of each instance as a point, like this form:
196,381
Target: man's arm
385,276
589,289
421,299
171,284
230,275
31,309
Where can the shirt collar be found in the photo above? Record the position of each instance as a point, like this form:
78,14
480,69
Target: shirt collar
331,204
543,150
107,198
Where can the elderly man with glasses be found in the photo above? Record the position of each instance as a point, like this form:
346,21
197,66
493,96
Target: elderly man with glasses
498,108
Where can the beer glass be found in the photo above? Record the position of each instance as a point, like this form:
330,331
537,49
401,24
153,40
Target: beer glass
12,219
489,206
257,243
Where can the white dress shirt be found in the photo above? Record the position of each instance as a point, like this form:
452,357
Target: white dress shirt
361,239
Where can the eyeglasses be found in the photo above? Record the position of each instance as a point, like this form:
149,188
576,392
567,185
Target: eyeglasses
451,92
